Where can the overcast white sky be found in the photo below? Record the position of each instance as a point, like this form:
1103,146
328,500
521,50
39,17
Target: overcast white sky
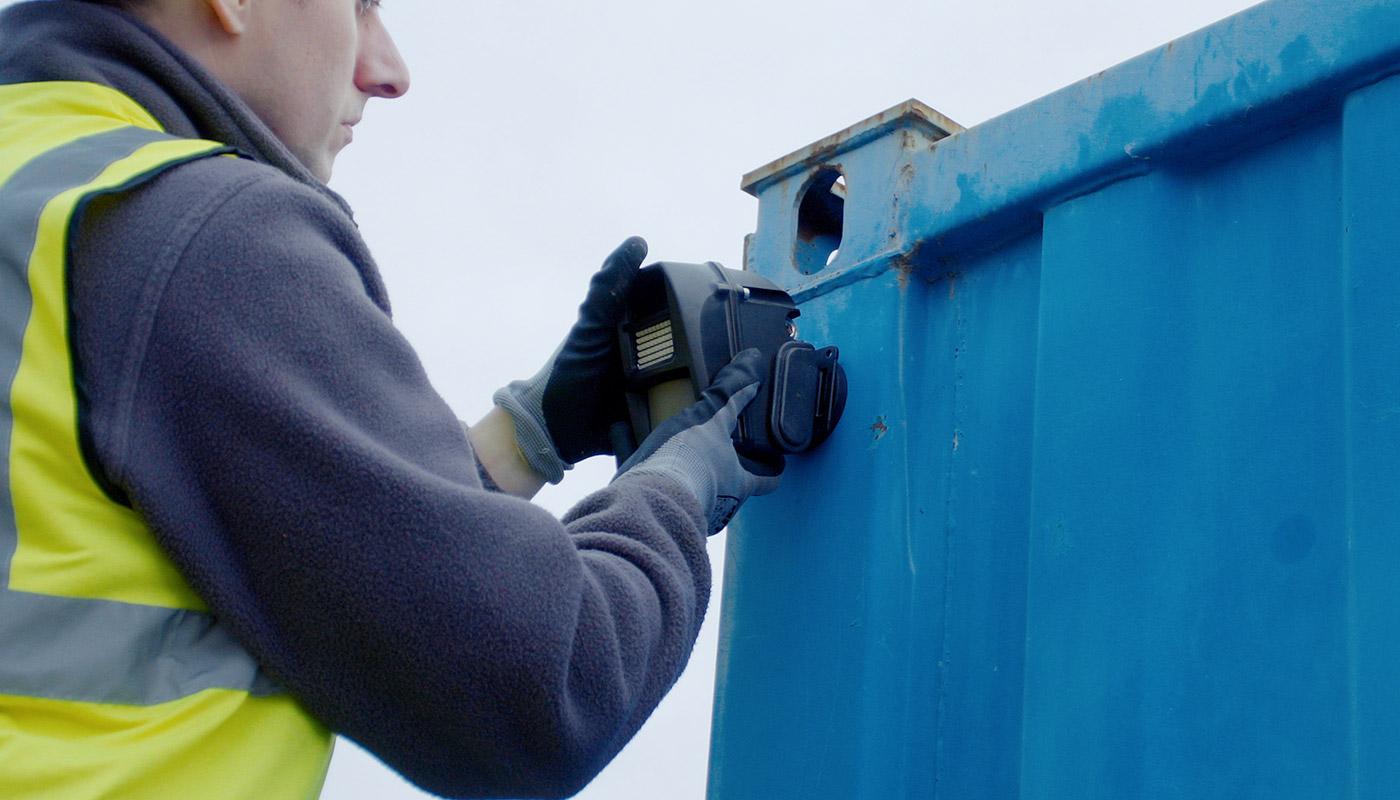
540,133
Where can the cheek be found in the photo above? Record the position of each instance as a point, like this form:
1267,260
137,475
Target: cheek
341,53
328,72
340,31
304,84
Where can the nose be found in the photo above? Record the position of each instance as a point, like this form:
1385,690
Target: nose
380,70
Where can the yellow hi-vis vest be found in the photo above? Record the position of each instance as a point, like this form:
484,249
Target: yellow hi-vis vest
115,682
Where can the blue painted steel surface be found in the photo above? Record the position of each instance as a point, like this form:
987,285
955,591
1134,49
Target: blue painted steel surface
1115,507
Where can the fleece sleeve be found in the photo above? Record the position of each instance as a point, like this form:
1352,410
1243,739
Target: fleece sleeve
244,389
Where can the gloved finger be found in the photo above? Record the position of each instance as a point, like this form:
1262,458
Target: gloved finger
736,376
743,370
609,286
728,417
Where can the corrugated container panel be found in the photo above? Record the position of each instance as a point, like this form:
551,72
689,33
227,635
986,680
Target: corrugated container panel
1114,511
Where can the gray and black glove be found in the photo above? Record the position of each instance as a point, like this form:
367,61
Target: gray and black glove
563,414
696,446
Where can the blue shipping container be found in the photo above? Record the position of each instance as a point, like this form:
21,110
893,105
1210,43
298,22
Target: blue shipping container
1114,511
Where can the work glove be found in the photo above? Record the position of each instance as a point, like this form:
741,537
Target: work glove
563,414
696,446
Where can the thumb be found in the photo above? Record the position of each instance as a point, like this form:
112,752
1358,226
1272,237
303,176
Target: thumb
610,284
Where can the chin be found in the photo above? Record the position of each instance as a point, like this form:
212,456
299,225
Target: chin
322,167
318,161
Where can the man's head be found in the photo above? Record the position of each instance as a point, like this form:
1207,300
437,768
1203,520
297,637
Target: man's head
305,67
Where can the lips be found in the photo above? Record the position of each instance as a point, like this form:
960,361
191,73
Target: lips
349,127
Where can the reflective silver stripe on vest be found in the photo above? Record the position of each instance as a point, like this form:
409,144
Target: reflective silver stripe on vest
97,651
106,652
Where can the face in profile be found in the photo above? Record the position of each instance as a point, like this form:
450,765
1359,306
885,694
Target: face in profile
315,65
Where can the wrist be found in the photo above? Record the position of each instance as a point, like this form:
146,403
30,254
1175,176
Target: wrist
494,439
520,402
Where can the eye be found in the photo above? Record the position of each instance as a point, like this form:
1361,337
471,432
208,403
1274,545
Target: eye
365,6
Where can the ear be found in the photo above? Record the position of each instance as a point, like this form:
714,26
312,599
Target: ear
231,14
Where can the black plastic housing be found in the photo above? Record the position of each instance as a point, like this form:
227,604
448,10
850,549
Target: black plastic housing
714,313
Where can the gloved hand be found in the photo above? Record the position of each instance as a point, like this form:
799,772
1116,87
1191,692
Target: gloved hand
696,447
563,413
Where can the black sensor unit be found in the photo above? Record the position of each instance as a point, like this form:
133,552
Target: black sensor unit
684,322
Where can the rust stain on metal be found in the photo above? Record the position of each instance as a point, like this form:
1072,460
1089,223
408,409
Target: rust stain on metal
880,428
906,265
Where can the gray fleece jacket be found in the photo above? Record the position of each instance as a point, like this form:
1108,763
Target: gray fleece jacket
243,387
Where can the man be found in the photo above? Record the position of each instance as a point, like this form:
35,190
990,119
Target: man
234,516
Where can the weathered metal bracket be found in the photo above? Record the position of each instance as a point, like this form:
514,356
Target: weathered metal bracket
835,204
